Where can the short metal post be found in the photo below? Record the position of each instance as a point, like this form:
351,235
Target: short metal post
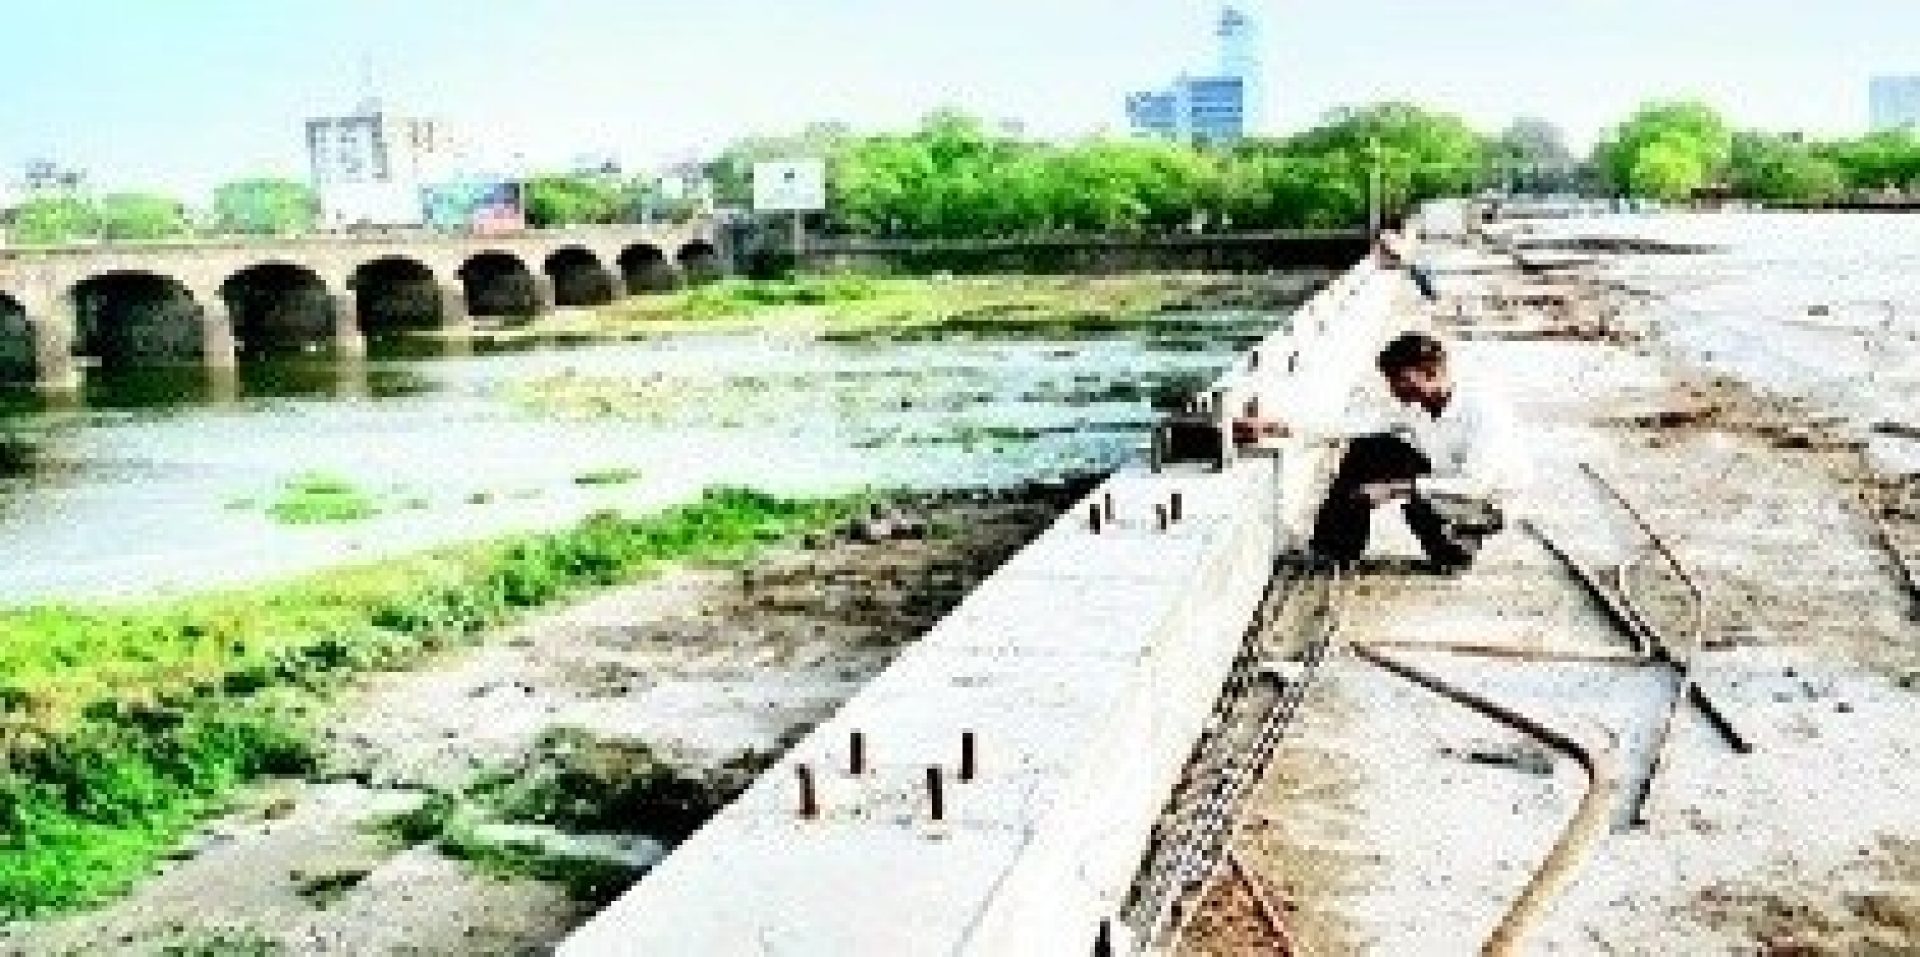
857,758
1093,517
1176,506
966,756
935,796
1107,500
1160,517
809,801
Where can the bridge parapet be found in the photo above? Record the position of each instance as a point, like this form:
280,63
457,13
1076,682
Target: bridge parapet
55,299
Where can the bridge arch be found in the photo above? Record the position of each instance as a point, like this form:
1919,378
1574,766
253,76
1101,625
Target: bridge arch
579,278
19,363
499,285
279,307
127,318
644,268
395,293
700,261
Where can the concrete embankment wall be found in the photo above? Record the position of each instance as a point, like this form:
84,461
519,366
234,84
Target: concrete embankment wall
1084,670
1073,255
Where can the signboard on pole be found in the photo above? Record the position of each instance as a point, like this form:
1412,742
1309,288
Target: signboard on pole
790,186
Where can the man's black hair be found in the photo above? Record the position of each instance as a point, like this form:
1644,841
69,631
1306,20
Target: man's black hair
1411,350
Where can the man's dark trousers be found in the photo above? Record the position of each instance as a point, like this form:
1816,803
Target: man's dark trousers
1341,529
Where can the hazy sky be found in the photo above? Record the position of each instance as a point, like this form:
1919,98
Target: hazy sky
182,94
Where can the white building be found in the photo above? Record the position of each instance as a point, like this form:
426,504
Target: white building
370,167
1894,102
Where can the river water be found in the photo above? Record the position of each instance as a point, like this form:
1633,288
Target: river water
159,482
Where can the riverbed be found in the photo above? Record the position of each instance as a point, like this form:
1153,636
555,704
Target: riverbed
159,481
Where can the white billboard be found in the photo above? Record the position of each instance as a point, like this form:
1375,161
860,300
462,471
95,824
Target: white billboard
790,186
356,205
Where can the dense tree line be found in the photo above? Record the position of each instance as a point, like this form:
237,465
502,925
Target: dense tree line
955,178
1676,150
261,207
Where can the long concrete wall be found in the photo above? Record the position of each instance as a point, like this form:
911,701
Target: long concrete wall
1084,670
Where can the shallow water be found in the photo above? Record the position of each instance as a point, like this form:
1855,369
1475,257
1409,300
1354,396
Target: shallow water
158,481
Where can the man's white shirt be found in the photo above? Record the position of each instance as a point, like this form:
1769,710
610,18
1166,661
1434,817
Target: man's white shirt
1473,445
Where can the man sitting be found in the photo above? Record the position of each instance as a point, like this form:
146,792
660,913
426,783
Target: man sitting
1449,455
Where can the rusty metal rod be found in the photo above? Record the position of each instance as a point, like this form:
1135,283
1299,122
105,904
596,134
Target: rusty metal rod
1903,568
1471,650
1682,658
1695,694
1590,582
936,795
809,800
1582,829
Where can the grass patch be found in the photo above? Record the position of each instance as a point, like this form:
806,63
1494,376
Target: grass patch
736,297
122,726
862,301
316,499
613,476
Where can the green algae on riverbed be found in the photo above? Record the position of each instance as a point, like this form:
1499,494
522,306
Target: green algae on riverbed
849,305
124,725
322,500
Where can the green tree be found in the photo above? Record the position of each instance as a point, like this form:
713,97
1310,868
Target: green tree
141,216
1889,159
53,220
266,207
1666,169
1686,138
1425,154
577,200
1777,169
1534,157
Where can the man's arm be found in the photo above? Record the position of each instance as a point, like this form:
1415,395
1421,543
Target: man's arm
1356,415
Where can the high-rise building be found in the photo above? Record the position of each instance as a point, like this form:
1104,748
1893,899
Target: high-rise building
1156,113
1217,107
1203,109
371,166
1239,35
1894,102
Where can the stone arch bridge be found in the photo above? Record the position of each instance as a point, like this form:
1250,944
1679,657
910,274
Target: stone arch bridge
220,303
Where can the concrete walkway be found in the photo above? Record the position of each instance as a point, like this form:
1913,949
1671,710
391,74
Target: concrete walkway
1395,821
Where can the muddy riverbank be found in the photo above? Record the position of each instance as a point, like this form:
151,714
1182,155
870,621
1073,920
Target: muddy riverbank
466,807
